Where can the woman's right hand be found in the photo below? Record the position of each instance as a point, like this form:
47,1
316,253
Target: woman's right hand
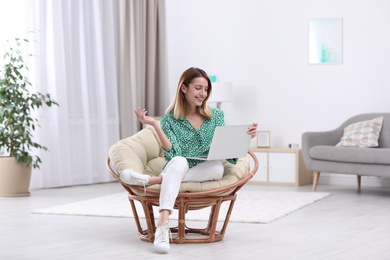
148,120
141,115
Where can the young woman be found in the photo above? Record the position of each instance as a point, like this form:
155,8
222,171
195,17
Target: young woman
185,130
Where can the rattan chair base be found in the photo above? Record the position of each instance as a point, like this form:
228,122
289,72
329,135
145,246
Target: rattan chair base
185,201
182,234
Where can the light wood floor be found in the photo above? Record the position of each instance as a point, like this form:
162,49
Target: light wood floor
346,225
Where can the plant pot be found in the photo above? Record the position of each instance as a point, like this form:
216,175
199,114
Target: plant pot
14,178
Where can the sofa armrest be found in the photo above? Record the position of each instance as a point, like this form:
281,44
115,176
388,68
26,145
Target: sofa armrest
310,139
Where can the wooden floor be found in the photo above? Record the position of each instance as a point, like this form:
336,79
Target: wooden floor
346,225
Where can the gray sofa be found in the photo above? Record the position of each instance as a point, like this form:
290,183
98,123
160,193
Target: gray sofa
321,155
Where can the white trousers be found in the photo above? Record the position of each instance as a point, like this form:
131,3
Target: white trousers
178,171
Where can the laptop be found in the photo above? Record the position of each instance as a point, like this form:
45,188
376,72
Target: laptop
228,142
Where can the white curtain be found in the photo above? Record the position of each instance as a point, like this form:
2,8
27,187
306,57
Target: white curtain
12,21
76,61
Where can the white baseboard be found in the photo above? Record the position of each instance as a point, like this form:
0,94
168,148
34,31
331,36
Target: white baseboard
350,180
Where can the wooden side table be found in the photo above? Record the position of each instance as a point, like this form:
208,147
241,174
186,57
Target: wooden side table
281,166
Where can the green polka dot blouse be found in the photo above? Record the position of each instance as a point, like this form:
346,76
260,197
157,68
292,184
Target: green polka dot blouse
188,142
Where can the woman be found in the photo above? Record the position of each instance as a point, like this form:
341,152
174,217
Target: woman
185,130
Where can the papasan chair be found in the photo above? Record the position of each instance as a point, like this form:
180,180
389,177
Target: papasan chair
142,152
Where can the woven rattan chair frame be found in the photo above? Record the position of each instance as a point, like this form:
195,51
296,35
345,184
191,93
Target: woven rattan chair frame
186,201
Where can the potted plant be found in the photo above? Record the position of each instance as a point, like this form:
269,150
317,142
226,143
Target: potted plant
18,99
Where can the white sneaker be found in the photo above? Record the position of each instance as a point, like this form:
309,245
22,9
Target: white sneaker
134,178
161,239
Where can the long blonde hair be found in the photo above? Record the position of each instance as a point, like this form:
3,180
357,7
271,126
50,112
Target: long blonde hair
178,103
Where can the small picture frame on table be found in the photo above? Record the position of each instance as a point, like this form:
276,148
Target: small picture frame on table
263,139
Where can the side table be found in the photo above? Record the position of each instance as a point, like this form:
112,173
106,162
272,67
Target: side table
281,166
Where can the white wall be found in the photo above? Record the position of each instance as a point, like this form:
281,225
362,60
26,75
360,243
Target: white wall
261,46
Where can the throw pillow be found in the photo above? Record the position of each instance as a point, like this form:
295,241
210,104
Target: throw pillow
362,134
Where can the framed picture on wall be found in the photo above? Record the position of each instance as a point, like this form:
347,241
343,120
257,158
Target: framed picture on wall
326,41
263,139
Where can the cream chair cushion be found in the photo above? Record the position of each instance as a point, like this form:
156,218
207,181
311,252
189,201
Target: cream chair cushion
142,153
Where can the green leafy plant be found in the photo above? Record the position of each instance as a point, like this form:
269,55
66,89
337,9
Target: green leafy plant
17,101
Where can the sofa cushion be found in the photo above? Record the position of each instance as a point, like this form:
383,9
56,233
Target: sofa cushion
362,134
351,154
140,152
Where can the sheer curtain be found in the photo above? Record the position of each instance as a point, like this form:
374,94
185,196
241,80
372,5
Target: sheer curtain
99,60
12,21
76,60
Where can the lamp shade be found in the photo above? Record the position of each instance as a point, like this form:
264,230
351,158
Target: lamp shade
221,92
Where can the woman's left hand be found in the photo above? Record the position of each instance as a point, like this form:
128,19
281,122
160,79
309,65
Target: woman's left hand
252,130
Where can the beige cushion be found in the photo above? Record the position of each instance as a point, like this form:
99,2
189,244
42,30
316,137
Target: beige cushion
362,134
142,153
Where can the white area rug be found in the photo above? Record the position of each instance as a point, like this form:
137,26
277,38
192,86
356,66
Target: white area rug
250,207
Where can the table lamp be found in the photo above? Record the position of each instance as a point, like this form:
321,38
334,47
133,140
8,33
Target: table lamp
221,92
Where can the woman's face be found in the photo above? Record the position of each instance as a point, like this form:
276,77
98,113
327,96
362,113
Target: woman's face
196,92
